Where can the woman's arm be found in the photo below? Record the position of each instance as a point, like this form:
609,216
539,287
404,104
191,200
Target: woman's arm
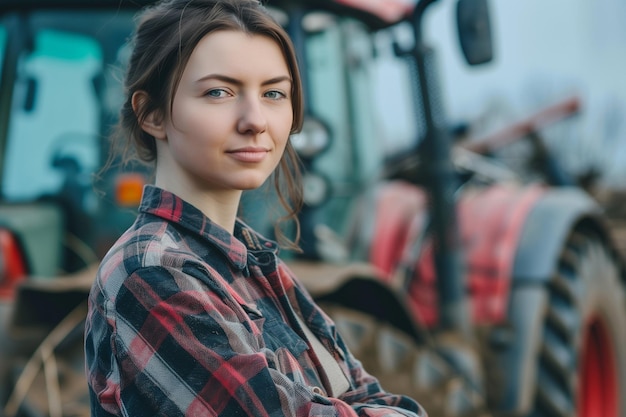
183,349
367,396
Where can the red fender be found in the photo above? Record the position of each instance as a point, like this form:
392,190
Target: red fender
13,268
400,210
490,222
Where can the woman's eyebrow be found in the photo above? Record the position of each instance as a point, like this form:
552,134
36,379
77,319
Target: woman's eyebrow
277,80
235,81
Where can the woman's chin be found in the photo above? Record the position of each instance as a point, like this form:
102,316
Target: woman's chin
251,185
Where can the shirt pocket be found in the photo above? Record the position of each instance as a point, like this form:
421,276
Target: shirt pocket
278,335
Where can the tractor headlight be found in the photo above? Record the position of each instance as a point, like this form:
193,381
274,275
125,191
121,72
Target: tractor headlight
313,139
316,188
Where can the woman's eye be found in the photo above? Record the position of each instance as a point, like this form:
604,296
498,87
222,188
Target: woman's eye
275,95
216,93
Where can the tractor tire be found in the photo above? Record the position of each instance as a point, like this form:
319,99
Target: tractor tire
581,357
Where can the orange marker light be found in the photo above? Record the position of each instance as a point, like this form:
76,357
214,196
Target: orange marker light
128,189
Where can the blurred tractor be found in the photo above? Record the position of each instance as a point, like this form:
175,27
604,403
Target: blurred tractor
455,279
59,95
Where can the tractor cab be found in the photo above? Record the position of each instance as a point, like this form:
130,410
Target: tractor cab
60,91
60,72
481,292
366,116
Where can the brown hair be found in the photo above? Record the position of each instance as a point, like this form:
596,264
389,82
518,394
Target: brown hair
165,37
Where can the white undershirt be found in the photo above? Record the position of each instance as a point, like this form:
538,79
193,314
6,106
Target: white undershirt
338,381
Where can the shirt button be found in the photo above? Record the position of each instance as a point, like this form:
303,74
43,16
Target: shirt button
318,391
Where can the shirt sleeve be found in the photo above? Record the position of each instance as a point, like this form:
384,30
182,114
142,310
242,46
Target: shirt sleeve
367,397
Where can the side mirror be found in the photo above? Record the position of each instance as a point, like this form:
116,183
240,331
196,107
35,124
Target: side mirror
474,30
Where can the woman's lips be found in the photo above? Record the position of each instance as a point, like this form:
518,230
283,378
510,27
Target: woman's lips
249,154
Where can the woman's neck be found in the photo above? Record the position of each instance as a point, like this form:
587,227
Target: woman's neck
219,206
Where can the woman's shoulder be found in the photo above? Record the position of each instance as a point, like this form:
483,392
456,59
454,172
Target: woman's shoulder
144,246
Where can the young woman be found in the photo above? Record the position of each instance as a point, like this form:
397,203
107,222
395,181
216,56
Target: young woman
192,312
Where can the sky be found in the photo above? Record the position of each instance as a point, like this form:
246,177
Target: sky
545,50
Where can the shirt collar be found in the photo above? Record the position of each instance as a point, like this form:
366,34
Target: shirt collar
172,208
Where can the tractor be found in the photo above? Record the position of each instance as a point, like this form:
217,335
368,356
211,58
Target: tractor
454,280
457,281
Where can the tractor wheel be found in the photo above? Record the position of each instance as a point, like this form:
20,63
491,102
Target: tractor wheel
581,360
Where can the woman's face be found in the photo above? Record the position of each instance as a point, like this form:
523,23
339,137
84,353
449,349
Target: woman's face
231,115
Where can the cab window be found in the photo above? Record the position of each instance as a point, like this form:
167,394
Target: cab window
54,122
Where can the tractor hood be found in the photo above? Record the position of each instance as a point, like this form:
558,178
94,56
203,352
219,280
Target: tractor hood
389,11
71,4
375,13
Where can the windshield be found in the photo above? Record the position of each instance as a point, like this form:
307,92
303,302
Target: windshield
361,90
65,95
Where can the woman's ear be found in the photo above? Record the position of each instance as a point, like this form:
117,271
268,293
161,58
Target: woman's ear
153,122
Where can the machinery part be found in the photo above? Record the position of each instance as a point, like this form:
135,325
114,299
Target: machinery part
547,227
513,346
586,315
567,353
52,381
13,266
406,366
42,366
366,294
521,129
38,227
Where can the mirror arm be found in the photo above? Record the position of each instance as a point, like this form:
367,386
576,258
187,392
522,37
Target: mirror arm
417,16
443,181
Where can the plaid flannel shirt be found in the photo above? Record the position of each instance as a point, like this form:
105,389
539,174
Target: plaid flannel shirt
186,319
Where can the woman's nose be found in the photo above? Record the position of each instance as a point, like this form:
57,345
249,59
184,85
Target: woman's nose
252,118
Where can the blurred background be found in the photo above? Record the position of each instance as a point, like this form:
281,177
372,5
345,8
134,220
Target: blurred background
545,52
464,220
